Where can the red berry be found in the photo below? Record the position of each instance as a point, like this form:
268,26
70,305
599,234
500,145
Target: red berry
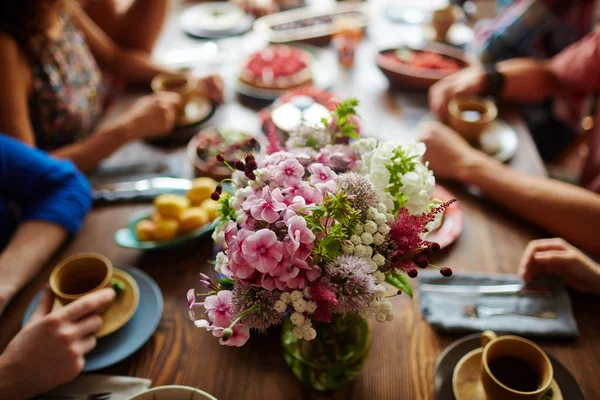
434,247
239,165
215,196
413,273
396,257
253,143
447,272
220,158
420,260
249,156
250,175
219,189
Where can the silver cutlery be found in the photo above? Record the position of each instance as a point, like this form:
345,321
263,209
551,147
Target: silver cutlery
144,185
518,289
479,311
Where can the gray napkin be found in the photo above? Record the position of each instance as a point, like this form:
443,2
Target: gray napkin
445,311
119,387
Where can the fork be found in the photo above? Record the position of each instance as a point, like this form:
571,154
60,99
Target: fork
479,311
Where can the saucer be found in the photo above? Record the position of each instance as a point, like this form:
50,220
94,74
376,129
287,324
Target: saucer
466,380
446,363
499,140
124,342
122,309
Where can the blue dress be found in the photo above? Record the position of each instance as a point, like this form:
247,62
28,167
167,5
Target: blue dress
35,186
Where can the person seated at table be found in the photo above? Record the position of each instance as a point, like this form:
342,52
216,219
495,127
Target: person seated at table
562,209
49,351
573,71
51,54
135,25
42,201
539,29
559,258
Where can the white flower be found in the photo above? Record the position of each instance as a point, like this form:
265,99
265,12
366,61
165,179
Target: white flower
296,295
366,238
378,277
306,293
384,230
280,306
418,186
381,208
363,146
369,252
310,334
372,213
380,219
414,149
285,297
220,261
370,227
360,250
311,306
241,216
297,319
378,239
355,240
218,234
300,305
379,260
379,291
348,248
359,229
298,333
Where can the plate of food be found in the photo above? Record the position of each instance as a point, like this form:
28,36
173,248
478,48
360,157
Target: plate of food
173,392
272,71
420,68
309,25
174,220
213,20
452,219
203,148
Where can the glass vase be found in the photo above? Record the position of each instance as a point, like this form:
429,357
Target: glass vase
334,358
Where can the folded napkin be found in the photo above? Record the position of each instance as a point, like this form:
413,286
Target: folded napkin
445,311
119,387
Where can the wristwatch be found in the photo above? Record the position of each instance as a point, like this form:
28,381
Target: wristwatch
495,80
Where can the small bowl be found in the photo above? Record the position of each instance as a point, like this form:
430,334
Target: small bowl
470,116
173,393
181,83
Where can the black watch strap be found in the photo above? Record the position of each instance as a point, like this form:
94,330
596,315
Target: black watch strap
495,80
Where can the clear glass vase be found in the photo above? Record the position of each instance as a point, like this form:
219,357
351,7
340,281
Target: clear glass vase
334,358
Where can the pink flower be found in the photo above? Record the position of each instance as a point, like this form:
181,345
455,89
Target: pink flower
241,334
288,172
299,233
218,308
266,209
263,250
192,303
321,174
310,194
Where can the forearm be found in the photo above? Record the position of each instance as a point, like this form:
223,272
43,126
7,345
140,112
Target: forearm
19,264
562,209
527,80
135,67
87,154
8,389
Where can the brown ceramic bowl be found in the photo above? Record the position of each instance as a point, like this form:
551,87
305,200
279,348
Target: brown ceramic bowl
470,116
406,75
79,275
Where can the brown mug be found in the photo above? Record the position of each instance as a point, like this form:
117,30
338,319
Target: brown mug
182,83
460,108
514,368
442,20
79,275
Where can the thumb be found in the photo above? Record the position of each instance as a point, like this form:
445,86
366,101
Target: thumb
45,305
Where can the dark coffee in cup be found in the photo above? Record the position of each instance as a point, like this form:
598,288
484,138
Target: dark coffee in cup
515,373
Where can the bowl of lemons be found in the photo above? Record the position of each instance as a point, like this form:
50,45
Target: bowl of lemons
174,220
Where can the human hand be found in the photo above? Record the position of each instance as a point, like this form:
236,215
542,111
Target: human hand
153,115
212,86
470,81
50,349
448,154
557,257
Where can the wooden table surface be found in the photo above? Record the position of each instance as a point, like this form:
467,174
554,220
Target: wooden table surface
401,362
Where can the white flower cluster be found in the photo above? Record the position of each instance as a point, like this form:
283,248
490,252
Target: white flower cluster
220,261
369,235
218,234
298,300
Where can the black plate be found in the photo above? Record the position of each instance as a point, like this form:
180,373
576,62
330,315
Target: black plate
444,368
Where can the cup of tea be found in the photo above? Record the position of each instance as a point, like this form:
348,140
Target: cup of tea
79,275
471,116
442,20
181,83
514,368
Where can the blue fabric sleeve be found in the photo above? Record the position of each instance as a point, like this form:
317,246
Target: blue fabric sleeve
40,187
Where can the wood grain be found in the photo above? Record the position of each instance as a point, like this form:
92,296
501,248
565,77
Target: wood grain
402,357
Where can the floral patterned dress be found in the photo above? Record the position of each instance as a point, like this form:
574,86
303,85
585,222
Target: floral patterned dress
68,93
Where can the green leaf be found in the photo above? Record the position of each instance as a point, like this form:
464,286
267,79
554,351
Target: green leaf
118,286
399,280
548,395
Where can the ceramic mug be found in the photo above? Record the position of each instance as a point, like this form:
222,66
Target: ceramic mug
79,275
442,20
181,83
518,355
460,108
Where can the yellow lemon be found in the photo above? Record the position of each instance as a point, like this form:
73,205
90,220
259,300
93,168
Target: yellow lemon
210,206
201,190
144,230
166,229
192,219
170,205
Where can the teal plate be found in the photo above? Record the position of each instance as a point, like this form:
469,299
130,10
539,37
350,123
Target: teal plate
127,238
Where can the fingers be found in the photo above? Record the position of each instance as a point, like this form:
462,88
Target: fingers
86,305
525,265
86,344
89,325
45,305
212,86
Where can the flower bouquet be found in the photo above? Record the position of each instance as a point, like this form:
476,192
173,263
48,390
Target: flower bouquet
311,232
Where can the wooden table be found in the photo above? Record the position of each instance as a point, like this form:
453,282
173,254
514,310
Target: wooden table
400,365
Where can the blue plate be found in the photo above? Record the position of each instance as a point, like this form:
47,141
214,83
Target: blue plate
127,340
127,238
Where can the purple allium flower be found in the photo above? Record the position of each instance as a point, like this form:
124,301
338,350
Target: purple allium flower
350,278
359,189
264,314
